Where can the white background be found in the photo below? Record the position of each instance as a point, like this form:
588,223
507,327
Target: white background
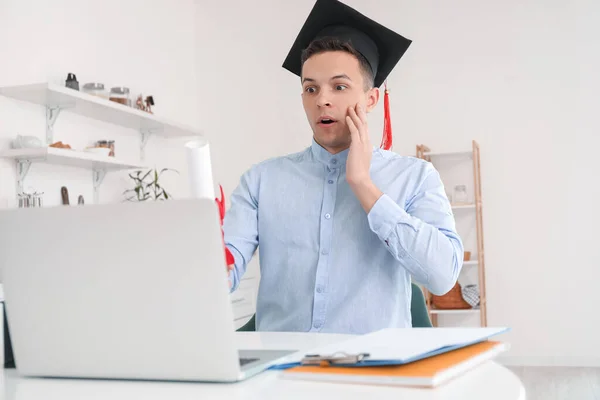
520,77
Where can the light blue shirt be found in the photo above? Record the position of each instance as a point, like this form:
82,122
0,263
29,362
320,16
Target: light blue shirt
325,264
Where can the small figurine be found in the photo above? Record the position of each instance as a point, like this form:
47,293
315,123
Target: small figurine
71,81
149,104
139,104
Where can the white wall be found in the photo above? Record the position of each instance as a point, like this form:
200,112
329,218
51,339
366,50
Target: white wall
519,77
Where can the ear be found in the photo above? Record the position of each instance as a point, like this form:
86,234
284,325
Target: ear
372,98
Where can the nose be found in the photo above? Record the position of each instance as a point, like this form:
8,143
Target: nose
323,101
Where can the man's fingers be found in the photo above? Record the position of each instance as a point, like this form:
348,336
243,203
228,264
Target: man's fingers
354,134
361,114
357,122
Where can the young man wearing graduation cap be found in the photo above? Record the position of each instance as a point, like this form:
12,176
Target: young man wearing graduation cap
342,226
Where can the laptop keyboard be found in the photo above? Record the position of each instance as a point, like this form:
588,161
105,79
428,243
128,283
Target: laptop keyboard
244,361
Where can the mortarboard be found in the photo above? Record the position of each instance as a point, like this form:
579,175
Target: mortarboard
381,47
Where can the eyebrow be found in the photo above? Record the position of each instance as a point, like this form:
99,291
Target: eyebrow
342,76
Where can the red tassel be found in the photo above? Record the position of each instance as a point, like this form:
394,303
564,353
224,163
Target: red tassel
386,140
221,203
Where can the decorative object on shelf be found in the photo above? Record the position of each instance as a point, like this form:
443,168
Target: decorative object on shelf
147,186
120,94
470,294
60,145
28,200
64,194
452,300
23,142
95,89
460,194
71,81
467,256
103,147
80,200
144,105
149,103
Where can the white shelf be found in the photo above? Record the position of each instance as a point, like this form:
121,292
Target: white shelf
449,153
466,311
471,262
462,206
68,157
55,96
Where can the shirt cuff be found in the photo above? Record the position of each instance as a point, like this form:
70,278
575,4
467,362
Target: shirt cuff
384,216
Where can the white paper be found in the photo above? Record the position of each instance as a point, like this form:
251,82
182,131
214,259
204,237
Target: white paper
403,344
200,169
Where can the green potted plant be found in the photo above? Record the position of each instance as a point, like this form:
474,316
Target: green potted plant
147,186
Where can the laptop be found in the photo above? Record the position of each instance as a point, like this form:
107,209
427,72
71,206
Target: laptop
122,291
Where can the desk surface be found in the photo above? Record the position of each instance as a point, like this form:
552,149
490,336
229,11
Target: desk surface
490,381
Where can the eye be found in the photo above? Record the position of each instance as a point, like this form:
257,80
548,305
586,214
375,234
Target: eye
341,87
310,89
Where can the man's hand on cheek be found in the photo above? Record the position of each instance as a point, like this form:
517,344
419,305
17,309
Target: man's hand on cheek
358,165
359,156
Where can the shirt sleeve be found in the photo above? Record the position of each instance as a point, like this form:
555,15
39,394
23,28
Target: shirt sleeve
423,236
240,225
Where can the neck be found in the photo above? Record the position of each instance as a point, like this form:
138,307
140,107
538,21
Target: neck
333,150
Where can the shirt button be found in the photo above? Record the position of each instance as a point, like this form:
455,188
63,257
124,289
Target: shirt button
334,161
330,181
319,290
327,216
324,252
317,325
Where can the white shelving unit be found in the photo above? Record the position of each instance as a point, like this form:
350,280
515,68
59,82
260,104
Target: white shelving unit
425,153
99,164
463,206
71,158
466,311
447,154
56,98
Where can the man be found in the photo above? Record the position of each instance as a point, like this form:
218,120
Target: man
341,226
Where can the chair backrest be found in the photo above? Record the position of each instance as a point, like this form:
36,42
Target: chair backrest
418,311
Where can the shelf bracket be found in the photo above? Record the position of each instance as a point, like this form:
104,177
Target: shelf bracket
22,170
51,116
145,136
98,177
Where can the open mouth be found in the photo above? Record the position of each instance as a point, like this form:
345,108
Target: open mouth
327,121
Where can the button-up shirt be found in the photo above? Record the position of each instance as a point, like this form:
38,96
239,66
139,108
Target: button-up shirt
326,265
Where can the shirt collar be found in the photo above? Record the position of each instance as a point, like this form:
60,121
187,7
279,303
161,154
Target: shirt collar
331,160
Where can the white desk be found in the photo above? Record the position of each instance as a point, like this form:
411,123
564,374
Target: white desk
491,382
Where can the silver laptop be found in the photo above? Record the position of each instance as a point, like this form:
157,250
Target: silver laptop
122,291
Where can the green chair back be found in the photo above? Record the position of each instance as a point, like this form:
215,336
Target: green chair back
418,311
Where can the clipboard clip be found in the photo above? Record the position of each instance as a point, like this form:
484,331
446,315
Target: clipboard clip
333,359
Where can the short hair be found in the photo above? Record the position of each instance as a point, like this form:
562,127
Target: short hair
332,44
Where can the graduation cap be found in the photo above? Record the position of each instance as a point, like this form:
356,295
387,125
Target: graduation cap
380,46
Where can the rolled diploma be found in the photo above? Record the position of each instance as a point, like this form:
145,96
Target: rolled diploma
200,169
